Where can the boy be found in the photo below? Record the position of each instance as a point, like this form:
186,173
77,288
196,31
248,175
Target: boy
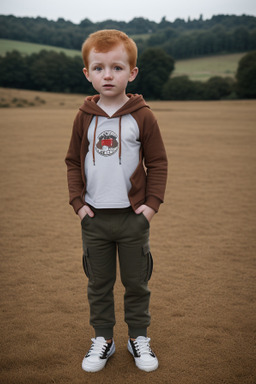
117,171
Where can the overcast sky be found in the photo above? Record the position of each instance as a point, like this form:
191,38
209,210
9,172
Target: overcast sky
99,10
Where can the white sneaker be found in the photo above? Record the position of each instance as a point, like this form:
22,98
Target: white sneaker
144,357
98,355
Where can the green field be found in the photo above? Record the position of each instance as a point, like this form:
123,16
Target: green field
205,67
197,69
28,48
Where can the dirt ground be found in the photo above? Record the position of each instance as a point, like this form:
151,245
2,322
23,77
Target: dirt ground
203,241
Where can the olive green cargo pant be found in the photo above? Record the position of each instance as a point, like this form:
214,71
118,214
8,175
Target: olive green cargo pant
108,231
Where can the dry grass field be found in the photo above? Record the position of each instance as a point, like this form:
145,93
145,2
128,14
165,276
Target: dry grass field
203,241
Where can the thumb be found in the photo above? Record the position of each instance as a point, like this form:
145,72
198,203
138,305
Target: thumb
139,210
90,212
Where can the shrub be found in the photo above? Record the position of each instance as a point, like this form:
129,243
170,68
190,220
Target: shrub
246,76
182,88
217,88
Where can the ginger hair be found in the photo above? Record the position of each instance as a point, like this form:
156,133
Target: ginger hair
106,39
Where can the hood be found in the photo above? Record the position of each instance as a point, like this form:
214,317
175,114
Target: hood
134,103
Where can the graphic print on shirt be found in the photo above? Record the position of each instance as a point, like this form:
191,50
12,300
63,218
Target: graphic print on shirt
107,143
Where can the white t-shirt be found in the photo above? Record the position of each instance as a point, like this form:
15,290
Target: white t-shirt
108,181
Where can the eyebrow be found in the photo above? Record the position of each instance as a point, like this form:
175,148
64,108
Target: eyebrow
101,62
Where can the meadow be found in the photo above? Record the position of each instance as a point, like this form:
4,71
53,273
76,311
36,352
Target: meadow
26,48
196,69
203,68
203,243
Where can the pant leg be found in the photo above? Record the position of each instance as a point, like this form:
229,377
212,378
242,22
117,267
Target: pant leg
135,268
99,260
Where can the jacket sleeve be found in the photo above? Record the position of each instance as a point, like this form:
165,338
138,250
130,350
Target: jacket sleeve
76,183
155,160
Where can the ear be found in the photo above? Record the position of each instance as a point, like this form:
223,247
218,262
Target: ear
86,73
133,74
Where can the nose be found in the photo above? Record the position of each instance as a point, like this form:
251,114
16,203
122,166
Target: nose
107,74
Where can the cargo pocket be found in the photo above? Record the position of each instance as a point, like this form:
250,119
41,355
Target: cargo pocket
148,262
86,265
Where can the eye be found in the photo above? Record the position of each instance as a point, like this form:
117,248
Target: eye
97,68
118,68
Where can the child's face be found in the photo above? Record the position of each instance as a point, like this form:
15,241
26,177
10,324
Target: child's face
109,72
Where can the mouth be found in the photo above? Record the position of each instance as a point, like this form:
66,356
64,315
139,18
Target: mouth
108,86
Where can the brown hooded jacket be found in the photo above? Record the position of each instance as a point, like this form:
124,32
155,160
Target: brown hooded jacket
149,178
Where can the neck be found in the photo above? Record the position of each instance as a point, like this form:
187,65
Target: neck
110,106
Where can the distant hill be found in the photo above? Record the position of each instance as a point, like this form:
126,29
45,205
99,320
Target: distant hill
26,48
203,68
181,39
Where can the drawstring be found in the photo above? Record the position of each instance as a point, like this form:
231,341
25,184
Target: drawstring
120,141
94,139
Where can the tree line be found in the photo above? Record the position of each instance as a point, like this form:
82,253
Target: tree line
204,42
44,71
57,72
180,39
